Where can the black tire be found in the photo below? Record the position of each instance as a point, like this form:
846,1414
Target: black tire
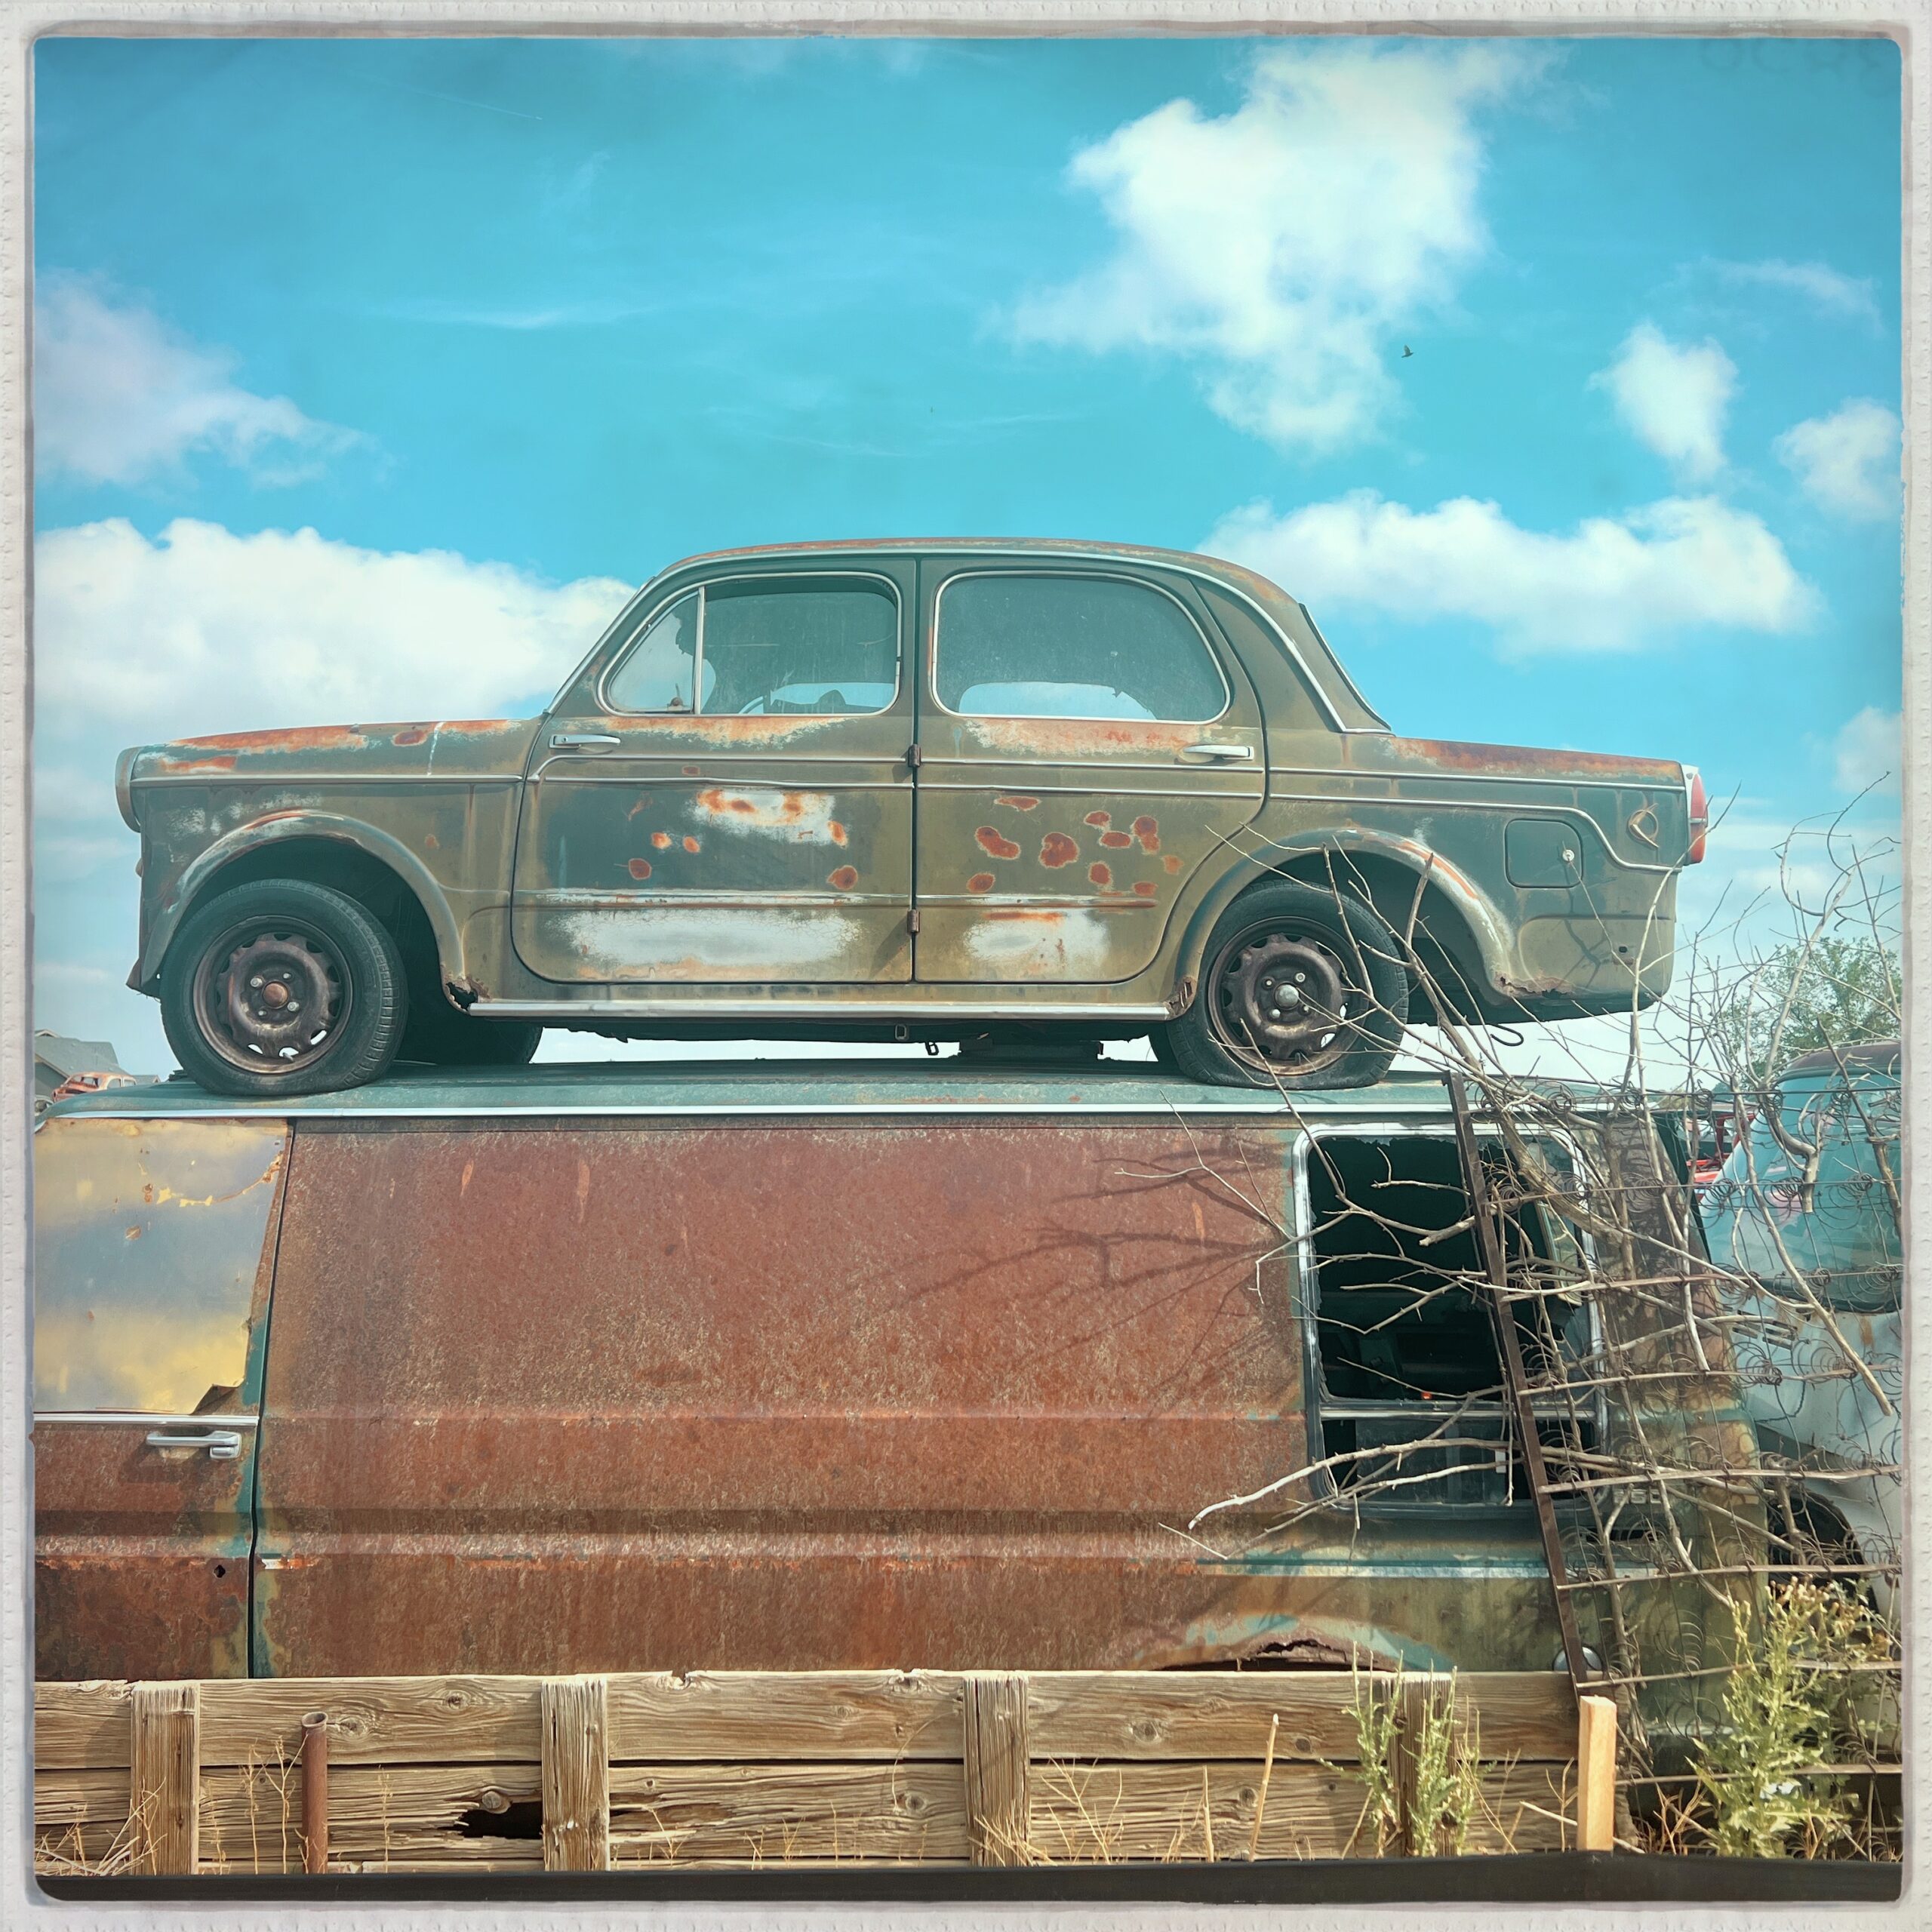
441,1035
1322,948
1161,1040
233,1032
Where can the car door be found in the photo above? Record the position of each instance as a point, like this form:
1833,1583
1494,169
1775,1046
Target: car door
154,1246
1084,749
726,796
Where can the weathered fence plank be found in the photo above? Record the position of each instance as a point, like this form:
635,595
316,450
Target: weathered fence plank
576,1774
164,1784
772,1715
1596,1774
998,1817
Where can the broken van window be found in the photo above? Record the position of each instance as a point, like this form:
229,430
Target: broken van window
1413,1406
148,1243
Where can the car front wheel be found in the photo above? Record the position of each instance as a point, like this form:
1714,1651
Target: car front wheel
1304,987
282,987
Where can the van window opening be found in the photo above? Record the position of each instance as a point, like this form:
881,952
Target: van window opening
1409,1375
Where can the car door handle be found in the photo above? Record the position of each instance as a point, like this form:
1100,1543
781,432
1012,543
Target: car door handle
1219,751
584,741
223,1445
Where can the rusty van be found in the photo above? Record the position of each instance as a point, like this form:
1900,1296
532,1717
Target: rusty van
664,1366
938,790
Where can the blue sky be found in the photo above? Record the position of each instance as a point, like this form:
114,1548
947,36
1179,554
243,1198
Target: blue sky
509,325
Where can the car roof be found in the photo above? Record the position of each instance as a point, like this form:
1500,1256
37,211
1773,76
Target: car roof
1043,546
800,1087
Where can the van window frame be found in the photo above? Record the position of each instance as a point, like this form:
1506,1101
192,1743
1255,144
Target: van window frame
1320,1405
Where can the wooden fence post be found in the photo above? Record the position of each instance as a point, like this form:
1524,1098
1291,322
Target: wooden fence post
998,1805
1411,1711
164,1776
315,1791
1596,1774
576,1774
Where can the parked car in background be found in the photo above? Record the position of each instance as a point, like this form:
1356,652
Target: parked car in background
937,791
1812,1261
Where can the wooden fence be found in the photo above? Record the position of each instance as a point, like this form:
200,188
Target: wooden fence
492,1774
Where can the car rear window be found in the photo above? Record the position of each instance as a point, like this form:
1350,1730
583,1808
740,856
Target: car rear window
1039,645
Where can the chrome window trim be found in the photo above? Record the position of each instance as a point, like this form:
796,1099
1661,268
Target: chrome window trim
1197,569
124,1416
601,694
1057,717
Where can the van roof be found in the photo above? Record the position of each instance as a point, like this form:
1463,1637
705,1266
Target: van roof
944,1086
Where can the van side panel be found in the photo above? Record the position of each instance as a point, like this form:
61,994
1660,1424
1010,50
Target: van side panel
569,1396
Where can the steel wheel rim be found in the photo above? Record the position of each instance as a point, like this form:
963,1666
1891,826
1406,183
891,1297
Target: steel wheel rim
1281,1000
272,995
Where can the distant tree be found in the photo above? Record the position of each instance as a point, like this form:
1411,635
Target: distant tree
1803,995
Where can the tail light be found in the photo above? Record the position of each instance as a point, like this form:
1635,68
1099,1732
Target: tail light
1700,814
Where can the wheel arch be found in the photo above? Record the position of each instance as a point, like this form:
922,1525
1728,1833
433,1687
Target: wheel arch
374,868
1460,939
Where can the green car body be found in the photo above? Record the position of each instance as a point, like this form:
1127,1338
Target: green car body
915,856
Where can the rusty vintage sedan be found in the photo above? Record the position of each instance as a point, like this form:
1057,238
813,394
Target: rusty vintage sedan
948,790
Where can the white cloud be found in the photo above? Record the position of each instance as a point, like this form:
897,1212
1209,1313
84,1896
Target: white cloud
1825,288
1672,398
1609,584
1869,750
1287,246
1847,462
119,397
201,630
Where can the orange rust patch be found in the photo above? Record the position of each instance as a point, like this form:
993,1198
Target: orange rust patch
980,882
640,869
690,844
1018,800
1057,850
1172,861
307,738
844,878
1116,841
996,843
1099,818
838,831
1454,755
662,840
416,734
1146,887
1148,831
195,767
1100,874
431,842
689,771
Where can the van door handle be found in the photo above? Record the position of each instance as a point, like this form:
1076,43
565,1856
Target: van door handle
223,1445
1219,751
584,741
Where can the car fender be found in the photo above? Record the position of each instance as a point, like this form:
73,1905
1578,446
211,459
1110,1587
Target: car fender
379,844
1486,925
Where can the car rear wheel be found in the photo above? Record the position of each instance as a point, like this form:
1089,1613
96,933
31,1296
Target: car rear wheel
1304,987
282,987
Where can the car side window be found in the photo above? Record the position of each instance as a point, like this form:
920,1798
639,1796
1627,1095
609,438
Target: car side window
767,647
148,1252
1039,645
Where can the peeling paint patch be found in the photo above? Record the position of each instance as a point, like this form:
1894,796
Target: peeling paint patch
1099,818
640,869
980,882
1018,800
662,840
1099,875
416,734
1148,831
844,879
1172,861
1057,850
690,844
733,942
431,843
1045,945
1116,841
996,843
799,818
1146,887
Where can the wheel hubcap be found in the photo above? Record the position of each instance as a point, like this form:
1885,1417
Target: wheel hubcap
277,997
1284,998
